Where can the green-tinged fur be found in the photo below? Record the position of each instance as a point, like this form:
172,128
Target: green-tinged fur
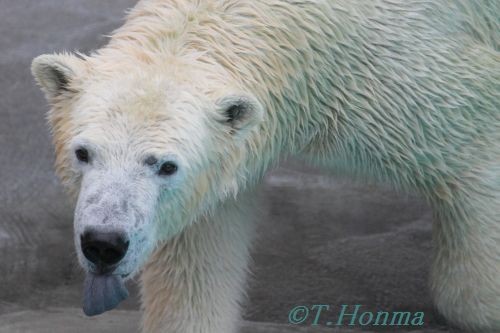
399,91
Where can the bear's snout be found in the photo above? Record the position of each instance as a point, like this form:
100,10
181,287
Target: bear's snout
114,222
104,249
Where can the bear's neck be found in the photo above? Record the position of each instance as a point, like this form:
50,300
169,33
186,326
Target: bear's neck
283,53
324,70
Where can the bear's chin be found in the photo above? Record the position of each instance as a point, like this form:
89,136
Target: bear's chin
102,293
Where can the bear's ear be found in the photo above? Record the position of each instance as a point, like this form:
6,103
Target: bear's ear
55,72
241,112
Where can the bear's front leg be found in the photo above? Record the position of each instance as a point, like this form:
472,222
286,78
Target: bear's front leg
465,277
195,282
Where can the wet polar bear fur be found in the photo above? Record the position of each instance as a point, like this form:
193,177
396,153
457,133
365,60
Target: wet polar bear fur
398,91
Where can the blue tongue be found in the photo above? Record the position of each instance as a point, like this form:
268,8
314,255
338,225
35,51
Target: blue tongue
102,293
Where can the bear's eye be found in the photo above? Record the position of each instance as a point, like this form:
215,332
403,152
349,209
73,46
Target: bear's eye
82,155
167,169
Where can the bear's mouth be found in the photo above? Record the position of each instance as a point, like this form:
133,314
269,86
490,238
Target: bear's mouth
103,292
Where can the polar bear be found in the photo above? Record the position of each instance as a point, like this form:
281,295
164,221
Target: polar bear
163,134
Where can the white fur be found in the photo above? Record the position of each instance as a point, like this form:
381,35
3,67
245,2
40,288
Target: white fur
401,91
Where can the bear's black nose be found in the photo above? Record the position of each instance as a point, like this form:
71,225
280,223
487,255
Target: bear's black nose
104,249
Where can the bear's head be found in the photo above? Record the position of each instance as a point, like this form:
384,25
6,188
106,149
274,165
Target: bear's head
145,146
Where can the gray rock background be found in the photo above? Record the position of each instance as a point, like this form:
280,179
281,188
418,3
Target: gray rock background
323,240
